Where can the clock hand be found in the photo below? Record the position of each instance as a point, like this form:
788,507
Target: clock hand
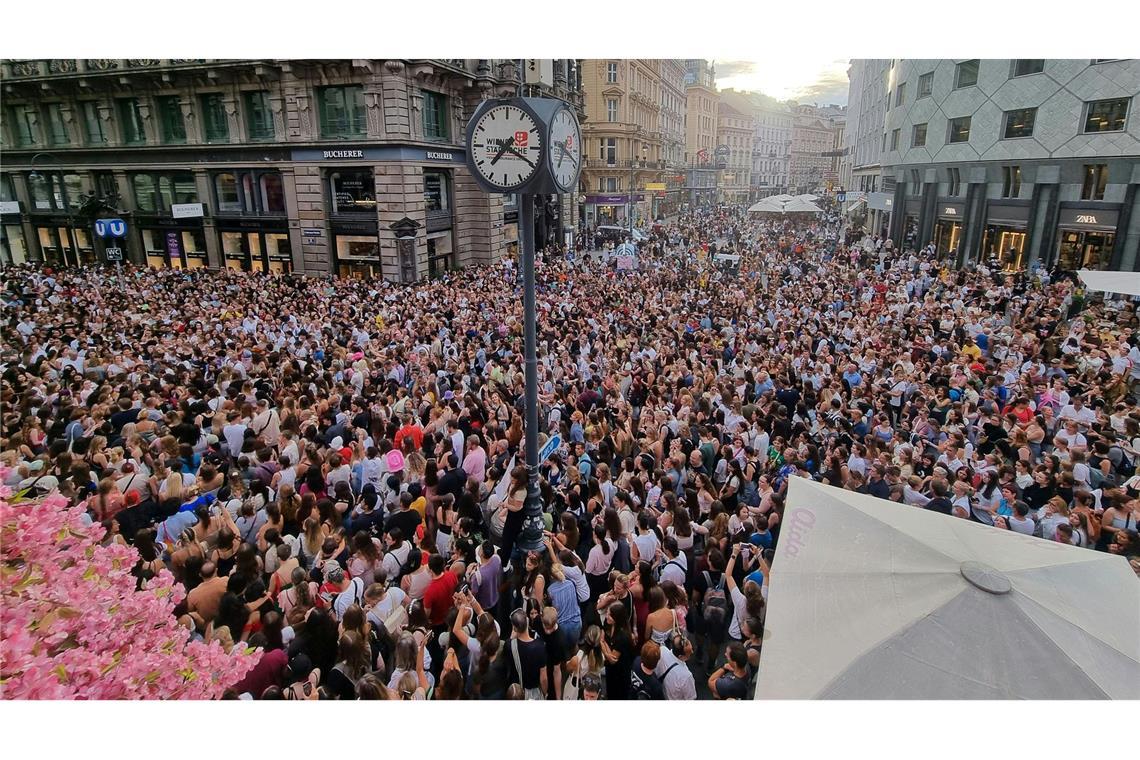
503,149
562,153
520,155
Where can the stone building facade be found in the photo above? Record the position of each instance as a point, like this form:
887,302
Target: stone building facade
279,165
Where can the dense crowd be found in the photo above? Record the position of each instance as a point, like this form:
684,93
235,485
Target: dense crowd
333,468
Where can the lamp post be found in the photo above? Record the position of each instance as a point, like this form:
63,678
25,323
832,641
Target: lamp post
644,154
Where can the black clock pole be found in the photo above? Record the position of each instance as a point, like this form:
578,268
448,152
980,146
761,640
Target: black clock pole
530,539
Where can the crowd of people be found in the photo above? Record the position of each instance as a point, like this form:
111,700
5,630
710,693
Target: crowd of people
334,468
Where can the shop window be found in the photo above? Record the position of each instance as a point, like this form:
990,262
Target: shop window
226,190
959,130
895,139
954,186
92,123
966,74
439,251
341,111
13,246
925,85
258,116
353,191
900,94
272,193
918,136
611,109
57,130
1019,123
1106,115
436,192
1010,181
235,251
215,126
1096,179
130,122
7,190
436,121
1023,67
170,119
23,120
611,72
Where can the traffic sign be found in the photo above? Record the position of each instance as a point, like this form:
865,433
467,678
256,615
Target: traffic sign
841,196
114,254
110,228
551,444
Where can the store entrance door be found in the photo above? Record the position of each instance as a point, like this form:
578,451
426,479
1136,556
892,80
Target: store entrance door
947,236
1080,249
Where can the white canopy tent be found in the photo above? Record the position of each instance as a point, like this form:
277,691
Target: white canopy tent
872,599
777,205
808,197
1125,283
801,206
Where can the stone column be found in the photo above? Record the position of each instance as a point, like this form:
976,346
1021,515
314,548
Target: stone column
400,193
479,237
215,259
307,193
289,183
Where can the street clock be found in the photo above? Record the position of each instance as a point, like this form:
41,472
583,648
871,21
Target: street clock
525,145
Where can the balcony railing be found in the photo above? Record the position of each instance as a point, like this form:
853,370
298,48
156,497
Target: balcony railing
601,163
66,66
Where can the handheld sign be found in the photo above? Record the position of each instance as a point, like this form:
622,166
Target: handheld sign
553,443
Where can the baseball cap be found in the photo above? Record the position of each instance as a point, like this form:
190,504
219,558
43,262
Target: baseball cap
395,460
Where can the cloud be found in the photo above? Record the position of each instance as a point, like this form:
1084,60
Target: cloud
726,69
830,87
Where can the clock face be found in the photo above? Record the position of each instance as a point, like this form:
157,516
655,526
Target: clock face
565,150
506,147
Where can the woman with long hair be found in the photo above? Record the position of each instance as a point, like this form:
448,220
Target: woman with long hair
352,663
618,651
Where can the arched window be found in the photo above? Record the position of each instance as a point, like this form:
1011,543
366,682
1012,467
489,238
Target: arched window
272,193
226,189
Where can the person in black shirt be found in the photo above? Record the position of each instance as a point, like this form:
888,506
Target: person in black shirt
526,657
731,681
617,648
453,480
939,503
644,684
556,652
406,518
1041,490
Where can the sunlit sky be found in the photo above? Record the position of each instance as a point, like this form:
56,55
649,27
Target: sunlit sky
808,79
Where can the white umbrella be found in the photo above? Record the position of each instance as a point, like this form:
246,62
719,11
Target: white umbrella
872,599
808,197
801,206
1126,283
768,206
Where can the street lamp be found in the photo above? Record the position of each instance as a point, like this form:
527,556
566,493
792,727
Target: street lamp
644,155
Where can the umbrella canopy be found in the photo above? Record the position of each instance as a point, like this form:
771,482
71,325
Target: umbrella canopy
1127,283
780,197
801,206
872,599
767,206
808,197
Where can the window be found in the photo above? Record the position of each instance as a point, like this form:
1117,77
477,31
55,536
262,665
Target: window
895,139
918,136
226,190
884,142
170,118
436,121
611,73
92,123
439,252
436,192
966,75
609,150
130,122
1023,67
57,130
611,109
272,193
258,116
341,111
900,94
1010,181
23,125
959,130
954,186
925,85
215,127
1019,123
353,191
1106,115
611,184
1096,177
156,192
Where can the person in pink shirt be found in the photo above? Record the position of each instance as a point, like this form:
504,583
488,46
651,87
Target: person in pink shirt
475,460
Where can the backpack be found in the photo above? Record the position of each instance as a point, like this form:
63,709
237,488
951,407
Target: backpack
1126,468
715,606
405,568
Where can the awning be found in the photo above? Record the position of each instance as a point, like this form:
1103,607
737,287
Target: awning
872,599
1125,283
856,204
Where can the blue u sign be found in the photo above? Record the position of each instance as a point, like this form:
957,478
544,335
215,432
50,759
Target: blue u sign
110,228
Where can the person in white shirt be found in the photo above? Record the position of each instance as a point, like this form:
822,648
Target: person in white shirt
456,436
373,469
673,668
1076,410
674,564
646,541
267,423
234,434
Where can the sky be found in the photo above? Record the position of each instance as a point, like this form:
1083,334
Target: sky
819,79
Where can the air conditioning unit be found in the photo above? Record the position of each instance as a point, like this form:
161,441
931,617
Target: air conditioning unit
540,71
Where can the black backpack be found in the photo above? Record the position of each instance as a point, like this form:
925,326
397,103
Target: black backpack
714,604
